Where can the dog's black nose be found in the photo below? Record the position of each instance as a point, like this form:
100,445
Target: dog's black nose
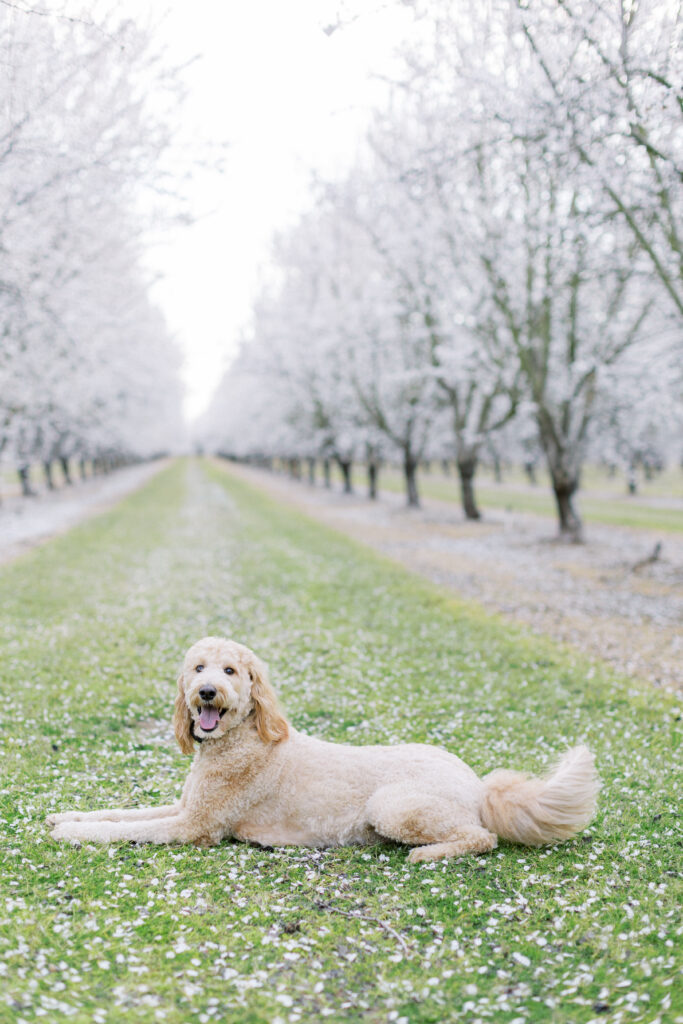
207,692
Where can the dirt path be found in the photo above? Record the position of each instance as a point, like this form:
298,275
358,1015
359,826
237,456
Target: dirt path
25,522
587,595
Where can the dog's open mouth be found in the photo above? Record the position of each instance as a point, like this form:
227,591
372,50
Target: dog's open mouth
209,717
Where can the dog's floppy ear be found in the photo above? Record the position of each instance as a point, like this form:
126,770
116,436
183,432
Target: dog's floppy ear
271,724
182,720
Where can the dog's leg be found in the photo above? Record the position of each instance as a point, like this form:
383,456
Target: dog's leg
175,828
468,839
435,826
116,814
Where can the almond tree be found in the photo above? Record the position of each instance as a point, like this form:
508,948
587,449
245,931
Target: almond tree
416,227
79,140
296,367
486,256
639,421
614,71
336,337
380,331
566,288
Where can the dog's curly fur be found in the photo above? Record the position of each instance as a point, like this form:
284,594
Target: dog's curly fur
257,779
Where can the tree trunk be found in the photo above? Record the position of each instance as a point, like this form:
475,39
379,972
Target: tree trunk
64,463
25,482
530,470
372,480
311,472
564,489
326,473
81,468
47,469
410,473
466,471
345,466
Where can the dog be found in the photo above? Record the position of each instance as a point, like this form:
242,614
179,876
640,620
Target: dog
257,779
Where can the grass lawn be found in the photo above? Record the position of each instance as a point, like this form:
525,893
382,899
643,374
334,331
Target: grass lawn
614,507
93,627
9,480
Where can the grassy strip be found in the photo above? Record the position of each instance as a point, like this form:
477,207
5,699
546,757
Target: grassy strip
619,510
614,511
93,628
9,478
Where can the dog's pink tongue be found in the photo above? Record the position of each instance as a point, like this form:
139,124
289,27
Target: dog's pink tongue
208,718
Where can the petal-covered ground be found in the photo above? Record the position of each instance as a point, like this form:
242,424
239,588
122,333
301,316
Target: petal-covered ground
93,628
603,596
25,522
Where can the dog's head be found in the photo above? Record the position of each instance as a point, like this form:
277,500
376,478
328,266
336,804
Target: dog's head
220,684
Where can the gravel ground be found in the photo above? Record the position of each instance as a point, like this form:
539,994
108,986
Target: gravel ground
590,595
25,522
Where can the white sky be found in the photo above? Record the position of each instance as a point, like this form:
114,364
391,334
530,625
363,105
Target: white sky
286,97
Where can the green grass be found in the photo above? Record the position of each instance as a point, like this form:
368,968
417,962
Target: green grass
668,483
515,494
93,627
9,478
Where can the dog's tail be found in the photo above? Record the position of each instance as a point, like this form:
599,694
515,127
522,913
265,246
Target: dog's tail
535,811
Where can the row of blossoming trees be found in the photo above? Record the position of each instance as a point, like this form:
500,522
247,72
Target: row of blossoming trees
500,269
87,369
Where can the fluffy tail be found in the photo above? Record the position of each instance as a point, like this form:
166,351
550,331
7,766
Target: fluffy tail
532,811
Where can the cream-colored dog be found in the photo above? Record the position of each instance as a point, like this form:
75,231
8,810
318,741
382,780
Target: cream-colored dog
257,779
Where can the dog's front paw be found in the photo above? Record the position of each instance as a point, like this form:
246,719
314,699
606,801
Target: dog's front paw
79,832
56,819
64,830
87,831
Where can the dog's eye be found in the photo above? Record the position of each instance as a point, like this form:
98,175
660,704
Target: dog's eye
229,671
199,668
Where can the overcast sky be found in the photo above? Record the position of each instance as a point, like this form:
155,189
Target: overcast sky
287,97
